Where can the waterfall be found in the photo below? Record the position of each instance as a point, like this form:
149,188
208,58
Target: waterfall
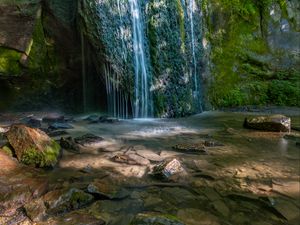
194,72
121,30
83,71
143,102
117,99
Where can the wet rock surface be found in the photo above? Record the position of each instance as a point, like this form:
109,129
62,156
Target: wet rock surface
33,146
277,123
251,178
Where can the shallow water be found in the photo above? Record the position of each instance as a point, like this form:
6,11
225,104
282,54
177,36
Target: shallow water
253,178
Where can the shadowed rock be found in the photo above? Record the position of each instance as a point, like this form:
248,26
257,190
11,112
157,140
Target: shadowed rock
276,123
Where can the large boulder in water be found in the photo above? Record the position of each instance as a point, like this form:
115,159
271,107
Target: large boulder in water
33,146
276,123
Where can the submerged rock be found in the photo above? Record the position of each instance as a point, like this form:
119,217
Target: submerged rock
190,148
107,189
56,126
62,201
168,168
276,123
69,145
33,146
89,140
152,218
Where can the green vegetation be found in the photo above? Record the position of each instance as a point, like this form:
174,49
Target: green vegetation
243,71
46,158
9,62
7,150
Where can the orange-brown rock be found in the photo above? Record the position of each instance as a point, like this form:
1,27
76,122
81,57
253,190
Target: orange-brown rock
33,146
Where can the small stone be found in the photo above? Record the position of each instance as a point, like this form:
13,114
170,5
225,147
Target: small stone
190,148
168,168
69,145
36,210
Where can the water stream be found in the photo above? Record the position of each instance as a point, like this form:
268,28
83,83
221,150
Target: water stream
196,93
143,102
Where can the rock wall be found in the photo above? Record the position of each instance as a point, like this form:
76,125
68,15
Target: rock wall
40,60
254,52
167,30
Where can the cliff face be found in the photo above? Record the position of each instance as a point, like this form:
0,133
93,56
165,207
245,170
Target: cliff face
243,52
170,43
39,56
254,52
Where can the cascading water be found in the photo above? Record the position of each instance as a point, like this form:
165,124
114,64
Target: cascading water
143,103
196,94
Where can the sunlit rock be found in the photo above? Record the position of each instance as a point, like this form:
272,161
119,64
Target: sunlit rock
167,169
33,146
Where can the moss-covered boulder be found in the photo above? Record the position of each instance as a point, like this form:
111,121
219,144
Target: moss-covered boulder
33,146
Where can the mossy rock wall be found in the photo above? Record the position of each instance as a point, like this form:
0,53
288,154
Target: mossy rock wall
107,25
40,65
254,52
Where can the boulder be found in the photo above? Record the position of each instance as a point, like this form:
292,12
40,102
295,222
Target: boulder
33,146
168,168
275,123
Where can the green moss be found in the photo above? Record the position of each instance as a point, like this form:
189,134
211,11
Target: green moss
9,61
181,24
46,158
7,150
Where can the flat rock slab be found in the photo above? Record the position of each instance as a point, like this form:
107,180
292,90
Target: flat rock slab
130,159
149,155
275,123
190,148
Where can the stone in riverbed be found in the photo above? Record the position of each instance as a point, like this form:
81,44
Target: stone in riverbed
89,140
151,218
107,189
190,148
168,168
62,201
31,122
69,145
275,123
33,146
36,210
56,126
